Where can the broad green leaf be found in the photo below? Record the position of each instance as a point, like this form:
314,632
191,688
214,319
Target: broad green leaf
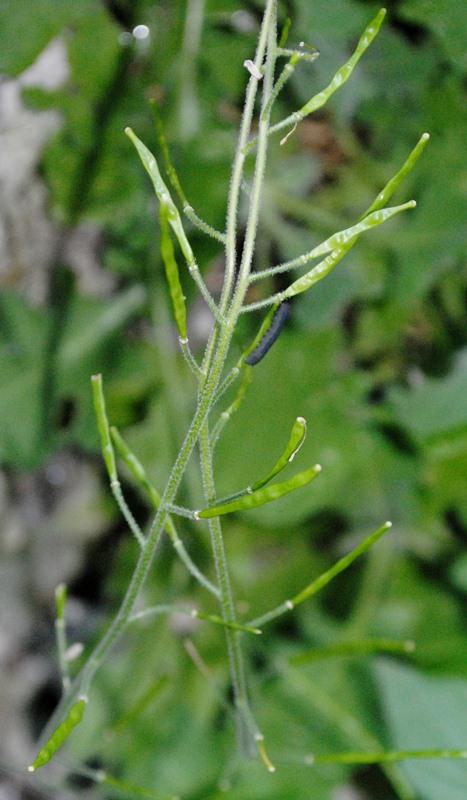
448,22
427,712
435,415
23,42
24,362
262,496
91,323
436,408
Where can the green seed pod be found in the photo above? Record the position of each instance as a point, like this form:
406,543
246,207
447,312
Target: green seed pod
344,241
103,426
297,437
171,271
262,496
74,717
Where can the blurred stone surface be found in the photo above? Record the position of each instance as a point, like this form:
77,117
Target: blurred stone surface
47,518
28,237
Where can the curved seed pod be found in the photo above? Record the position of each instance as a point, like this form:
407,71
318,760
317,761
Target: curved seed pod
109,457
342,75
395,182
103,426
163,194
270,332
171,271
340,565
343,237
297,437
322,581
327,264
74,717
262,496
135,466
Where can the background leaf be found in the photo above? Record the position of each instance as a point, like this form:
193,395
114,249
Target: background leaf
421,709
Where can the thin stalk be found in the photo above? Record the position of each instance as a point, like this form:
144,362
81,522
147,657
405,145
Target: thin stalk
82,683
382,756
248,735
247,744
139,473
239,162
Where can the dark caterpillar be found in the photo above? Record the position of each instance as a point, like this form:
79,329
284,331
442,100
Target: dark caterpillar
277,323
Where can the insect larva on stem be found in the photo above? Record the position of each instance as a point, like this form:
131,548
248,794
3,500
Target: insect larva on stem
277,323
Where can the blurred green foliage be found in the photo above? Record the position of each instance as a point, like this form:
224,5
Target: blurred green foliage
375,359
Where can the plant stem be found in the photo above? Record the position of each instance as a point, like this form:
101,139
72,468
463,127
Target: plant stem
246,743
239,161
216,353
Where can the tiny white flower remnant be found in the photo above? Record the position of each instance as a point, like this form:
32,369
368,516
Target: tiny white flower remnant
252,69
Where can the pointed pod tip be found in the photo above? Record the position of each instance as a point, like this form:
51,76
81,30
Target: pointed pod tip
31,768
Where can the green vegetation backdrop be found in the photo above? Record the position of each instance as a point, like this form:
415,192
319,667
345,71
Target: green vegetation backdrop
375,358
